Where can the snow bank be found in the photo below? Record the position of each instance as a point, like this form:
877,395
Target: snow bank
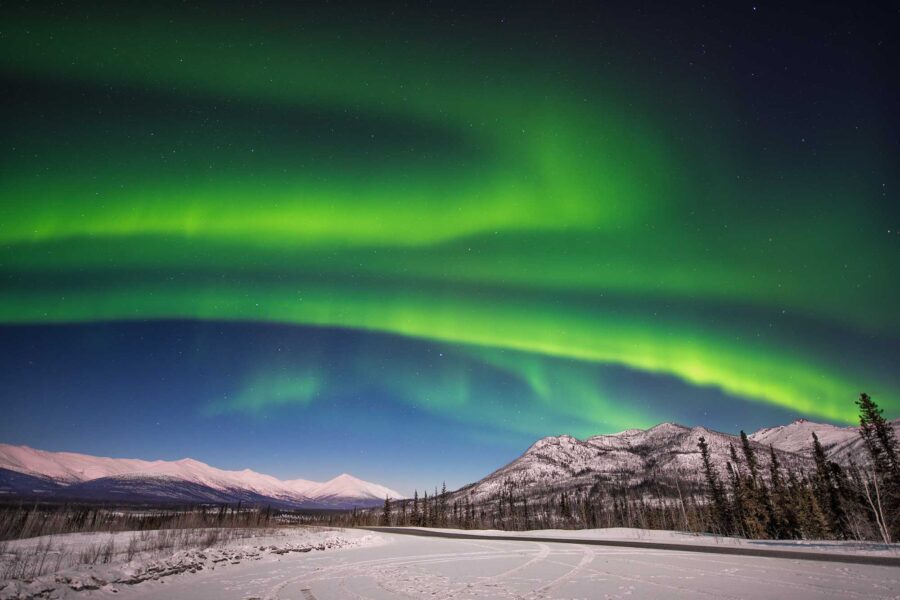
680,537
53,566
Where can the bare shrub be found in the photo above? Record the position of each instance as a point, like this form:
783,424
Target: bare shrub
20,522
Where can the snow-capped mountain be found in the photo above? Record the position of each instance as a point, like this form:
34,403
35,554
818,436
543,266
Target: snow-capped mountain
345,487
27,471
841,444
665,453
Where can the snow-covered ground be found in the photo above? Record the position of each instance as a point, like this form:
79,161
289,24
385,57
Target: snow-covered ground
62,565
379,566
627,534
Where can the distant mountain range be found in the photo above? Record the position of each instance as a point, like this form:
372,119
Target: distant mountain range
667,453
26,472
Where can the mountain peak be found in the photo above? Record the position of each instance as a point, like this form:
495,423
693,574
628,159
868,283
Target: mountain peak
669,426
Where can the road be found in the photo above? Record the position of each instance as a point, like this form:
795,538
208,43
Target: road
432,567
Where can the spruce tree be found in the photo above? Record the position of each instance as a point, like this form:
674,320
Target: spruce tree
737,499
784,518
750,457
759,504
748,510
879,438
386,513
715,493
827,491
882,489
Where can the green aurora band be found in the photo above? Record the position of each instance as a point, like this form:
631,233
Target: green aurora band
496,201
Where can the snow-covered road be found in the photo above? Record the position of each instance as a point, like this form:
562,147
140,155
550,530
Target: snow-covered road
424,567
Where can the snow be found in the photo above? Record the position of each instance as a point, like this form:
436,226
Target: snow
681,537
347,486
62,564
66,466
564,463
71,468
840,443
400,566
559,463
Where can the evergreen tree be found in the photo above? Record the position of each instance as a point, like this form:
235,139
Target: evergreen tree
750,457
386,513
737,499
879,438
715,493
784,517
443,516
827,491
759,504
882,488
814,521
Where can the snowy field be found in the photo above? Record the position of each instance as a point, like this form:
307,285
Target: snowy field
352,564
85,564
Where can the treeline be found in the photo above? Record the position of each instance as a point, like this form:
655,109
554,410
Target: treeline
18,521
661,503
859,501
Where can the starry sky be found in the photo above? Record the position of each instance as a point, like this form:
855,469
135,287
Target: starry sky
405,242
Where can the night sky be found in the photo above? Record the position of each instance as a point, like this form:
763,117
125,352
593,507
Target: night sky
405,243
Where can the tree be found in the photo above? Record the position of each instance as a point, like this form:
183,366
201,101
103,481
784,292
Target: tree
715,493
443,515
743,525
882,485
386,514
784,517
828,490
811,519
879,438
750,457
759,504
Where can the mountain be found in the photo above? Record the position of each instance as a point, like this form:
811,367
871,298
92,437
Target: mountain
26,471
841,444
345,489
665,455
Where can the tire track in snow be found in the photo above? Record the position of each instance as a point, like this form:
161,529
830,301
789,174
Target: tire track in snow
332,571
586,559
542,555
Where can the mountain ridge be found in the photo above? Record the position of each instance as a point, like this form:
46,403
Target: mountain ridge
83,476
668,451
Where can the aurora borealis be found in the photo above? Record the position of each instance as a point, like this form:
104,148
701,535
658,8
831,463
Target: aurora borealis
386,234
